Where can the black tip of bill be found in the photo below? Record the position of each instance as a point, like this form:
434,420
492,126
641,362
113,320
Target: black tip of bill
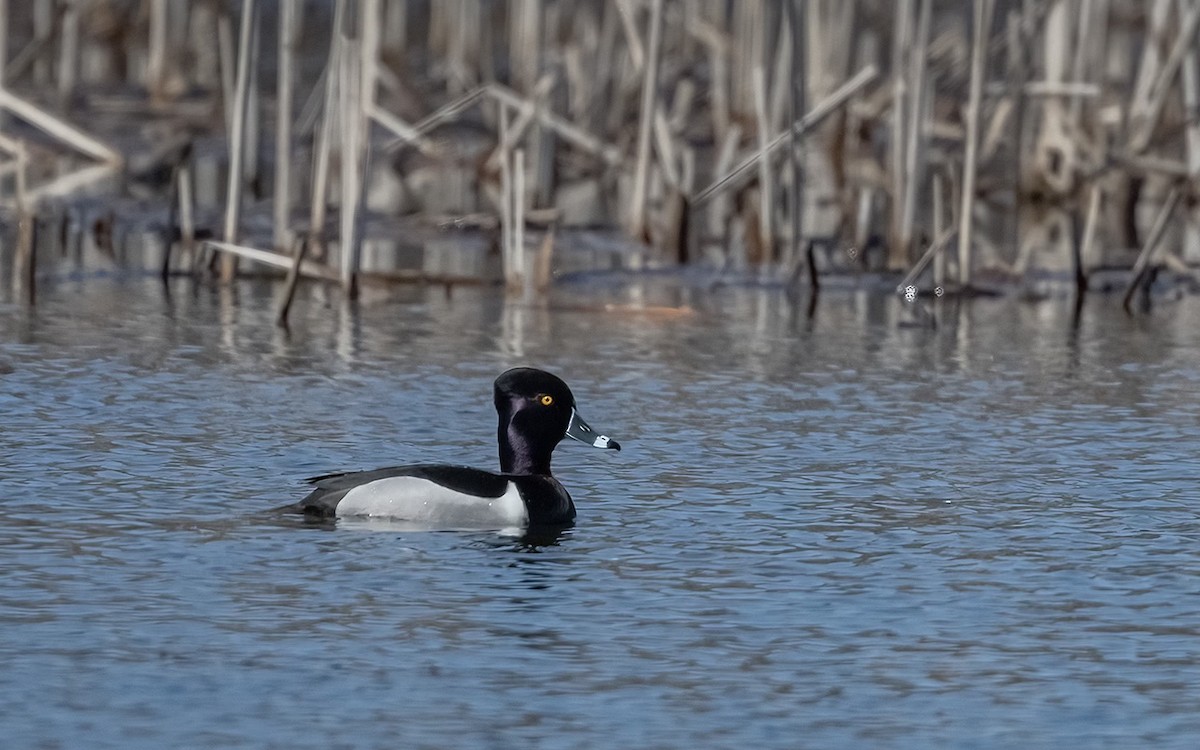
581,431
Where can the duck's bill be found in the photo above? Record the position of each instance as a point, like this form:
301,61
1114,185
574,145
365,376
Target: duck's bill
582,431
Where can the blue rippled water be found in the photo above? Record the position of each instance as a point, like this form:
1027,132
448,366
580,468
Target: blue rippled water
854,530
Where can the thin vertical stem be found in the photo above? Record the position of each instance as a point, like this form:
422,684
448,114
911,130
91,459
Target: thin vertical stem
43,29
983,18
320,184
225,52
914,162
349,97
897,252
156,63
1017,73
237,137
1189,82
3,45
637,221
766,186
369,32
187,213
506,196
283,124
797,11
1084,260
519,215
68,52
253,129
24,271
23,262
939,226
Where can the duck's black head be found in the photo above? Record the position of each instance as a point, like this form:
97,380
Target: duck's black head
537,410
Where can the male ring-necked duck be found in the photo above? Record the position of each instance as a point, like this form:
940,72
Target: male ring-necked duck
536,411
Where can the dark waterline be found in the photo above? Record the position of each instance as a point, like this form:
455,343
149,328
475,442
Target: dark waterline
845,530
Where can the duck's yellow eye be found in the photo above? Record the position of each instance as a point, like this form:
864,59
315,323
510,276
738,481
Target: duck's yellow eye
546,400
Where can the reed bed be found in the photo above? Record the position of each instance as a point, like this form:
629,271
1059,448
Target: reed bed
785,140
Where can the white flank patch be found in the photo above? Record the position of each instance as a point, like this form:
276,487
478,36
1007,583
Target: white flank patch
431,505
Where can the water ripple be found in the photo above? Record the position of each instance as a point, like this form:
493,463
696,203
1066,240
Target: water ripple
838,531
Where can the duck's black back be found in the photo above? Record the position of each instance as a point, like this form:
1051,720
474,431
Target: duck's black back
331,488
546,500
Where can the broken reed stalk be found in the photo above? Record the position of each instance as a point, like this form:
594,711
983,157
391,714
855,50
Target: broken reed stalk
59,128
515,131
275,260
938,244
72,181
401,129
560,125
448,112
291,281
641,180
237,137
815,117
1147,119
983,18
1143,264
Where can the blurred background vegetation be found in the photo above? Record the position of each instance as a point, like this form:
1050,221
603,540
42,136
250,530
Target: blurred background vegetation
960,143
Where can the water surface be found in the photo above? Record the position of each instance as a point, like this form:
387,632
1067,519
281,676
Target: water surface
852,530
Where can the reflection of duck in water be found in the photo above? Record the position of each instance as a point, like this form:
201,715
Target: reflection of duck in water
536,411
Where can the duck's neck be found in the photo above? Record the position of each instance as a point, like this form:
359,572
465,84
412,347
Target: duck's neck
517,456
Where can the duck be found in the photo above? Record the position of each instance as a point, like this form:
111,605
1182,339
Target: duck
536,410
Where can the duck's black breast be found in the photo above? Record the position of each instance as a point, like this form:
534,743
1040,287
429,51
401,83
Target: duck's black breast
545,498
